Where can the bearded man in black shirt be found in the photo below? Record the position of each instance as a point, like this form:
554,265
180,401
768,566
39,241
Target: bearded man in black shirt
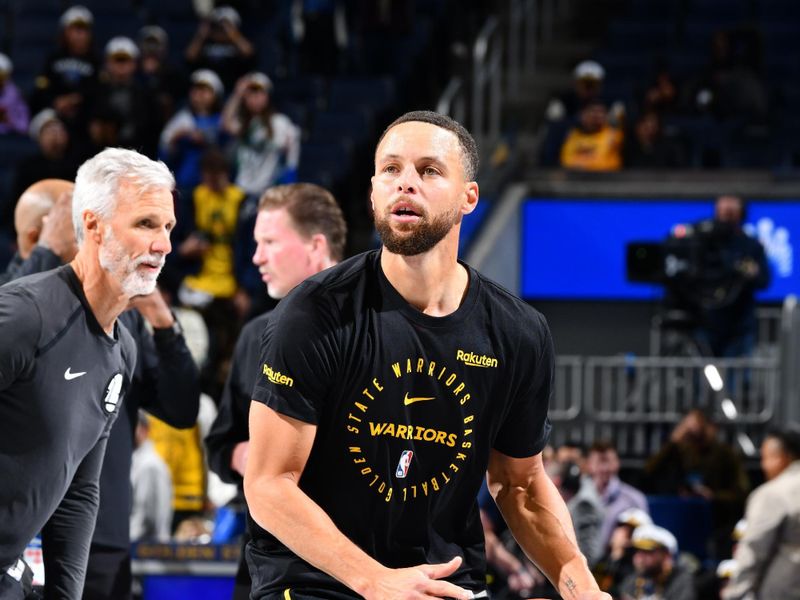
390,384
66,363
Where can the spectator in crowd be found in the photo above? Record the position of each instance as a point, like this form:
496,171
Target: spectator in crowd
266,142
586,509
571,452
165,82
657,575
563,111
214,289
300,230
767,558
219,45
121,94
593,144
726,570
193,129
151,508
617,563
37,241
695,463
14,114
602,466
646,147
661,94
53,160
68,81
588,78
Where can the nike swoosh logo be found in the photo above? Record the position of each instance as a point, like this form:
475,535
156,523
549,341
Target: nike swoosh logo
408,400
68,376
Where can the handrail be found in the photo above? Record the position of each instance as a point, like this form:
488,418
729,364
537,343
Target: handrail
487,57
452,102
790,358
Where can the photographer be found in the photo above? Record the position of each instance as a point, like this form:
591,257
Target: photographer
712,270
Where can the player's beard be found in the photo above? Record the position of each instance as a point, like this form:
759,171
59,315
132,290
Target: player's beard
411,239
114,259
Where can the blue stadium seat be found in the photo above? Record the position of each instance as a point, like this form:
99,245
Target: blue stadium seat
375,95
309,91
689,519
715,11
15,147
633,35
330,126
655,9
325,163
36,28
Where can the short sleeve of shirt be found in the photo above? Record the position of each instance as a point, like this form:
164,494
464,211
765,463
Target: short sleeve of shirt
20,329
299,353
526,428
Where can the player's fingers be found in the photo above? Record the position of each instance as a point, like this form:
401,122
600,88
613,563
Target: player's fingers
442,569
444,589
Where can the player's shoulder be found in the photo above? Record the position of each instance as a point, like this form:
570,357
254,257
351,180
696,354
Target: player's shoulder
505,304
255,326
338,281
46,298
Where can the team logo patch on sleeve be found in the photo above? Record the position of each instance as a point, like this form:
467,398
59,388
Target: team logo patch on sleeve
404,464
277,377
113,390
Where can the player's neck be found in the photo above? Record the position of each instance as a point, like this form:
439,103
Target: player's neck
104,296
433,282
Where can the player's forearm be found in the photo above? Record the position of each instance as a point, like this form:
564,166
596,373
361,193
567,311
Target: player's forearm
283,509
542,526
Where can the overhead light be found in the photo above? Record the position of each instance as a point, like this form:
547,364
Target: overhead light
713,377
729,409
747,445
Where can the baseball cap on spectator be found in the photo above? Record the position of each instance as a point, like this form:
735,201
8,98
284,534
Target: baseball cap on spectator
634,517
77,15
653,537
38,122
209,78
727,568
589,69
121,46
738,530
5,66
259,80
226,13
152,39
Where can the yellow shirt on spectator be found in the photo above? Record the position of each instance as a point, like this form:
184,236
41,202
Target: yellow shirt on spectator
215,215
599,151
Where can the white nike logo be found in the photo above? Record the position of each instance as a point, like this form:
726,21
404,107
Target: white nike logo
68,376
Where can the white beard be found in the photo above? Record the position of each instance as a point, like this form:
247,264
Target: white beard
116,262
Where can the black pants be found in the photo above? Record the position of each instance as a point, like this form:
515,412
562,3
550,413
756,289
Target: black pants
241,589
108,575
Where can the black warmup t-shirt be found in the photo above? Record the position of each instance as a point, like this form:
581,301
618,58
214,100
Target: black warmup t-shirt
408,407
61,383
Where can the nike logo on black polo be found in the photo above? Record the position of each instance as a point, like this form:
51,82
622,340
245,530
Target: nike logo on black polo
69,376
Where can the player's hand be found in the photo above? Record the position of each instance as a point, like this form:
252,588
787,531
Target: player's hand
154,309
58,233
422,581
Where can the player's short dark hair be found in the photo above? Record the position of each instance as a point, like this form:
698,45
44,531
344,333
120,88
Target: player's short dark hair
789,439
469,149
313,210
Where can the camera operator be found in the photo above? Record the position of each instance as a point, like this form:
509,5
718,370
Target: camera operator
727,325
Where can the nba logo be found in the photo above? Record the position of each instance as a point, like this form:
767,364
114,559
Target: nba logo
404,464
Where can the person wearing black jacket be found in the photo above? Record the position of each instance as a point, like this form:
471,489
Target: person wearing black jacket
165,382
307,232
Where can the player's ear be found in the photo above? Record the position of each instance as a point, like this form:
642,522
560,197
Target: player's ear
92,226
